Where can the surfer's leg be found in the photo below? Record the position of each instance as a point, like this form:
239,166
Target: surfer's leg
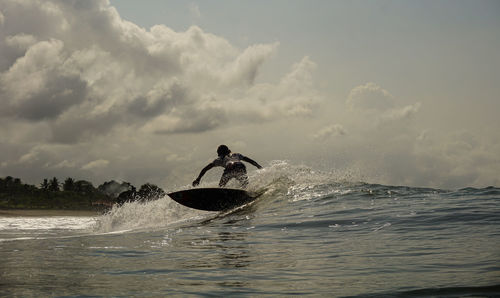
226,176
224,179
241,175
235,170
243,179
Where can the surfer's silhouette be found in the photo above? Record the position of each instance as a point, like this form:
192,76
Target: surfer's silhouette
233,167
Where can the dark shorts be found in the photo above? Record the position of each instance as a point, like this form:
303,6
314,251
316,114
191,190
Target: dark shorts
235,170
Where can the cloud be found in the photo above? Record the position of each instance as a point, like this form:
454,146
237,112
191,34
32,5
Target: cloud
294,95
37,156
329,131
96,164
78,84
375,106
65,164
246,65
37,87
401,113
386,141
85,71
370,97
29,157
83,90
21,41
194,10
458,159
198,121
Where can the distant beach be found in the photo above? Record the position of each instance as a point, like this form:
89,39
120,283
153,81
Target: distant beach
39,213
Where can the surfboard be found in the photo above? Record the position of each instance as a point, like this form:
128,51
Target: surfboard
213,199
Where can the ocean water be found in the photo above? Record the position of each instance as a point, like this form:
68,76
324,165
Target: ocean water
311,233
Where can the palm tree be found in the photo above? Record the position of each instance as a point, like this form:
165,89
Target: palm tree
69,184
54,184
45,184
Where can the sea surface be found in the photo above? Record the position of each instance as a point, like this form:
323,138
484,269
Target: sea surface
311,233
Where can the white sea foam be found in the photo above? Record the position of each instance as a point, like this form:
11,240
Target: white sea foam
146,215
46,223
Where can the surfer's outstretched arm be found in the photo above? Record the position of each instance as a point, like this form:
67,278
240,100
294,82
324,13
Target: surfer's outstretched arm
203,171
251,161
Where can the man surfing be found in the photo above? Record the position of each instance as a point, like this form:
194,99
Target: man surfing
233,167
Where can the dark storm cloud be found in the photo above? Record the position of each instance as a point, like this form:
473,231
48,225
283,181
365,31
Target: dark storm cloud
57,96
158,101
73,128
194,121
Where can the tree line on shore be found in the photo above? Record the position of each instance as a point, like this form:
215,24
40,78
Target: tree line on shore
72,194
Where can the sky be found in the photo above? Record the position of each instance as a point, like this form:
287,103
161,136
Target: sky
392,92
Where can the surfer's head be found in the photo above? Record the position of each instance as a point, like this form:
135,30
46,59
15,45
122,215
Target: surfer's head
223,150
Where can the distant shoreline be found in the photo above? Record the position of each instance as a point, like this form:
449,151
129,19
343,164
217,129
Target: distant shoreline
46,212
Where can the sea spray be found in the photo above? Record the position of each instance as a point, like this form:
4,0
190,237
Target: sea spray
146,215
300,182
280,181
